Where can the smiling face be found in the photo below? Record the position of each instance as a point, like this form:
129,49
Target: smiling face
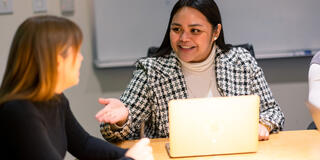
191,35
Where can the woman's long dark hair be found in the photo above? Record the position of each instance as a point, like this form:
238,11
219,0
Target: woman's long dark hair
209,9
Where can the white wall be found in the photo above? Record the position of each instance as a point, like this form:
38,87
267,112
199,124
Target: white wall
287,77
83,98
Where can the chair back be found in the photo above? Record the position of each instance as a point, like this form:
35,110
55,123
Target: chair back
248,47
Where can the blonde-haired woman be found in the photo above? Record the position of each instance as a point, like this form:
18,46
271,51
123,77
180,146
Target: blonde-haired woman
35,118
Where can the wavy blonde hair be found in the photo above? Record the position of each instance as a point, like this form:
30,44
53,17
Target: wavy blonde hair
31,71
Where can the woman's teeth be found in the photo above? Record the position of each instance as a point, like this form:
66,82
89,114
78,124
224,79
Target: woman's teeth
186,47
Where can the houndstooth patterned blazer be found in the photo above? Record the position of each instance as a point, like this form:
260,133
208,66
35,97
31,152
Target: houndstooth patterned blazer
157,80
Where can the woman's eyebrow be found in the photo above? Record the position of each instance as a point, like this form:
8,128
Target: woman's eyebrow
175,24
195,25
191,25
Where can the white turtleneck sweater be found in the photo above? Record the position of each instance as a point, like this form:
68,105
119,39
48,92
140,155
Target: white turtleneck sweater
200,77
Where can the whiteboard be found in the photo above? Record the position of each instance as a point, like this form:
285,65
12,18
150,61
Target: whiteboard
275,27
125,29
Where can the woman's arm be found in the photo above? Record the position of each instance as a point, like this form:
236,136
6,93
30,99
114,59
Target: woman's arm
270,112
26,132
84,146
136,98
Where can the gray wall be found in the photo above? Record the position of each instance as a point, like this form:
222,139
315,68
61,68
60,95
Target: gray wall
288,80
287,77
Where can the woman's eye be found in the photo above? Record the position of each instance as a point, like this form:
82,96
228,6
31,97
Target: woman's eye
195,31
176,29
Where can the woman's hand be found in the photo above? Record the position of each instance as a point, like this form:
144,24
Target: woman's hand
114,112
263,133
141,150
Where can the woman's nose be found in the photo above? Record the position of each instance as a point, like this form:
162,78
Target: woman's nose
184,36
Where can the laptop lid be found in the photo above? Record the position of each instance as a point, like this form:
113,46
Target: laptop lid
208,126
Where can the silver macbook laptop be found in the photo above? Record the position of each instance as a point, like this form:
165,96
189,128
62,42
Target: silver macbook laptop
210,126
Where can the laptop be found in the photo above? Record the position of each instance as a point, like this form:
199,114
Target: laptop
315,113
213,126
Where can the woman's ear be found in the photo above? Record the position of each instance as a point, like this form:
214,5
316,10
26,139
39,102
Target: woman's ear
216,32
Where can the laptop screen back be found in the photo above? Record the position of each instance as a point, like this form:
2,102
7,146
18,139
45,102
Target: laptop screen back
208,126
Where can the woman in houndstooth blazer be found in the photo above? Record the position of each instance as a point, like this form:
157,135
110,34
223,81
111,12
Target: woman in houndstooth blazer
193,61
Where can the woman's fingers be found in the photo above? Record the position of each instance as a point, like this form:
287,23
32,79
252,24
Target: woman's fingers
113,112
263,133
103,101
109,105
141,150
144,141
103,112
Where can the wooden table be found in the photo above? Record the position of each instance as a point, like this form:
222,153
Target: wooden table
286,145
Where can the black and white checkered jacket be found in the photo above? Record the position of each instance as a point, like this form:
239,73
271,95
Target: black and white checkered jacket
158,80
